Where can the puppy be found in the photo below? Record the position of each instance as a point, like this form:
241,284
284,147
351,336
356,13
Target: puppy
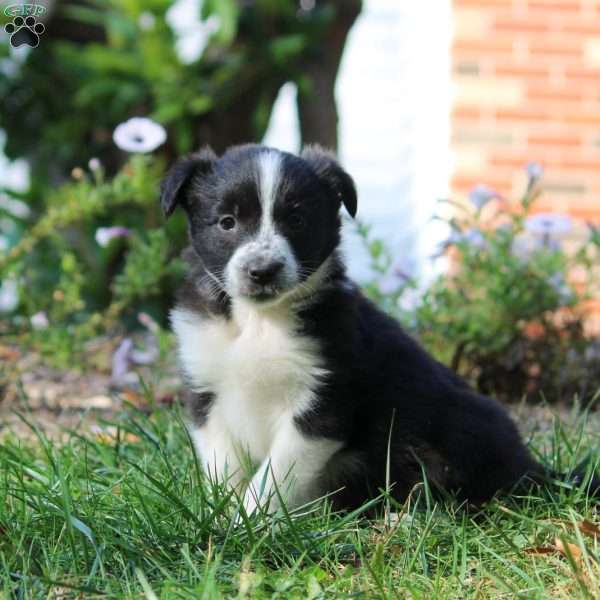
300,386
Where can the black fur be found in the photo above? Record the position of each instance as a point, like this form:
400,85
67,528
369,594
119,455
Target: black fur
385,394
199,405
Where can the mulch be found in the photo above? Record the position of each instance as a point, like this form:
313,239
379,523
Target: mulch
61,400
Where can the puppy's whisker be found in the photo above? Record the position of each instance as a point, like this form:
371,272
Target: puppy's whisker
214,278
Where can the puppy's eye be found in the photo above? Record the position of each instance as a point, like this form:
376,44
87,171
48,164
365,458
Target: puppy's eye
296,222
227,222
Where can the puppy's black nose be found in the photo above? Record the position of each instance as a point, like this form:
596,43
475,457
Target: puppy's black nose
264,273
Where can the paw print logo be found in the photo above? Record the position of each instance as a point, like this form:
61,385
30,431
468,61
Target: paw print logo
24,31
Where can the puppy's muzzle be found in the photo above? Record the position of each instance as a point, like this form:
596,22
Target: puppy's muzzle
264,272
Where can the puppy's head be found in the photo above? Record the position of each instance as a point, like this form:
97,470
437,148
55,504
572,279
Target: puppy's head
262,221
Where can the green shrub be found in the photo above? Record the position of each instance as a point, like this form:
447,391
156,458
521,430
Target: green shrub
505,313
81,284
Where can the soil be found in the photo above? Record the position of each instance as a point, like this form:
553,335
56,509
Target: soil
58,401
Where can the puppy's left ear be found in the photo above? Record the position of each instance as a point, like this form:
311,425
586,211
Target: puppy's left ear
328,170
173,185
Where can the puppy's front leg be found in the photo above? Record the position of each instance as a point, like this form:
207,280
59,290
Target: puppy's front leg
291,470
214,444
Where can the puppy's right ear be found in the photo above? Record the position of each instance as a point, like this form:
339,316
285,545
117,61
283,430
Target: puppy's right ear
173,185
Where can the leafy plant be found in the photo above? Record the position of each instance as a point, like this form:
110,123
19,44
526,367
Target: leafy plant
506,313
76,277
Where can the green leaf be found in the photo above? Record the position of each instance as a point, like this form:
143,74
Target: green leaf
227,12
286,48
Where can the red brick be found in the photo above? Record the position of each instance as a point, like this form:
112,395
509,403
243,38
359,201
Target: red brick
582,117
584,73
465,183
540,47
538,91
525,113
478,47
467,112
551,157
554,140
545,7
581,164
483,4
511,23
514,69
548,112
582,25
588,214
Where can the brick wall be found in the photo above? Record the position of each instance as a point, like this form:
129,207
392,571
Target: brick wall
526,83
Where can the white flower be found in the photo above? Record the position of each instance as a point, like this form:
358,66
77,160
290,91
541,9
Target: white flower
146,21
94,164
191,33
307,5
39,320
139,134
548,224
105,234
481,194
15,207
9,295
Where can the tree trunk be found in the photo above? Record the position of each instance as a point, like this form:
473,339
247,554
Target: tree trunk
317,107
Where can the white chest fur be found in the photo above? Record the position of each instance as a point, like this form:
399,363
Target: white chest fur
260,369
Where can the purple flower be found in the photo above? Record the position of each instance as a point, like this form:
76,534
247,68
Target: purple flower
472,237
558,283
481,194
126,356
105,234
400,273
535,172
475,238
121,362
548,225
525,246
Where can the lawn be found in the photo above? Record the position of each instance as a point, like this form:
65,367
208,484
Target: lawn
124,511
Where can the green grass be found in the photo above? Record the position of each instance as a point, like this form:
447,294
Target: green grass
131,515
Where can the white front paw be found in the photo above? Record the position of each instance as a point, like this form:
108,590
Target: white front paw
248,507
267,503
250,502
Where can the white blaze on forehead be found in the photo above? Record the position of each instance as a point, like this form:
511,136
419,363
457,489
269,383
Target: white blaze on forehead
268,244
269,173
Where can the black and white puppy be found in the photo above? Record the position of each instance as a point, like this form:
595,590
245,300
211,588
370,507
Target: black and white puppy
297,377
